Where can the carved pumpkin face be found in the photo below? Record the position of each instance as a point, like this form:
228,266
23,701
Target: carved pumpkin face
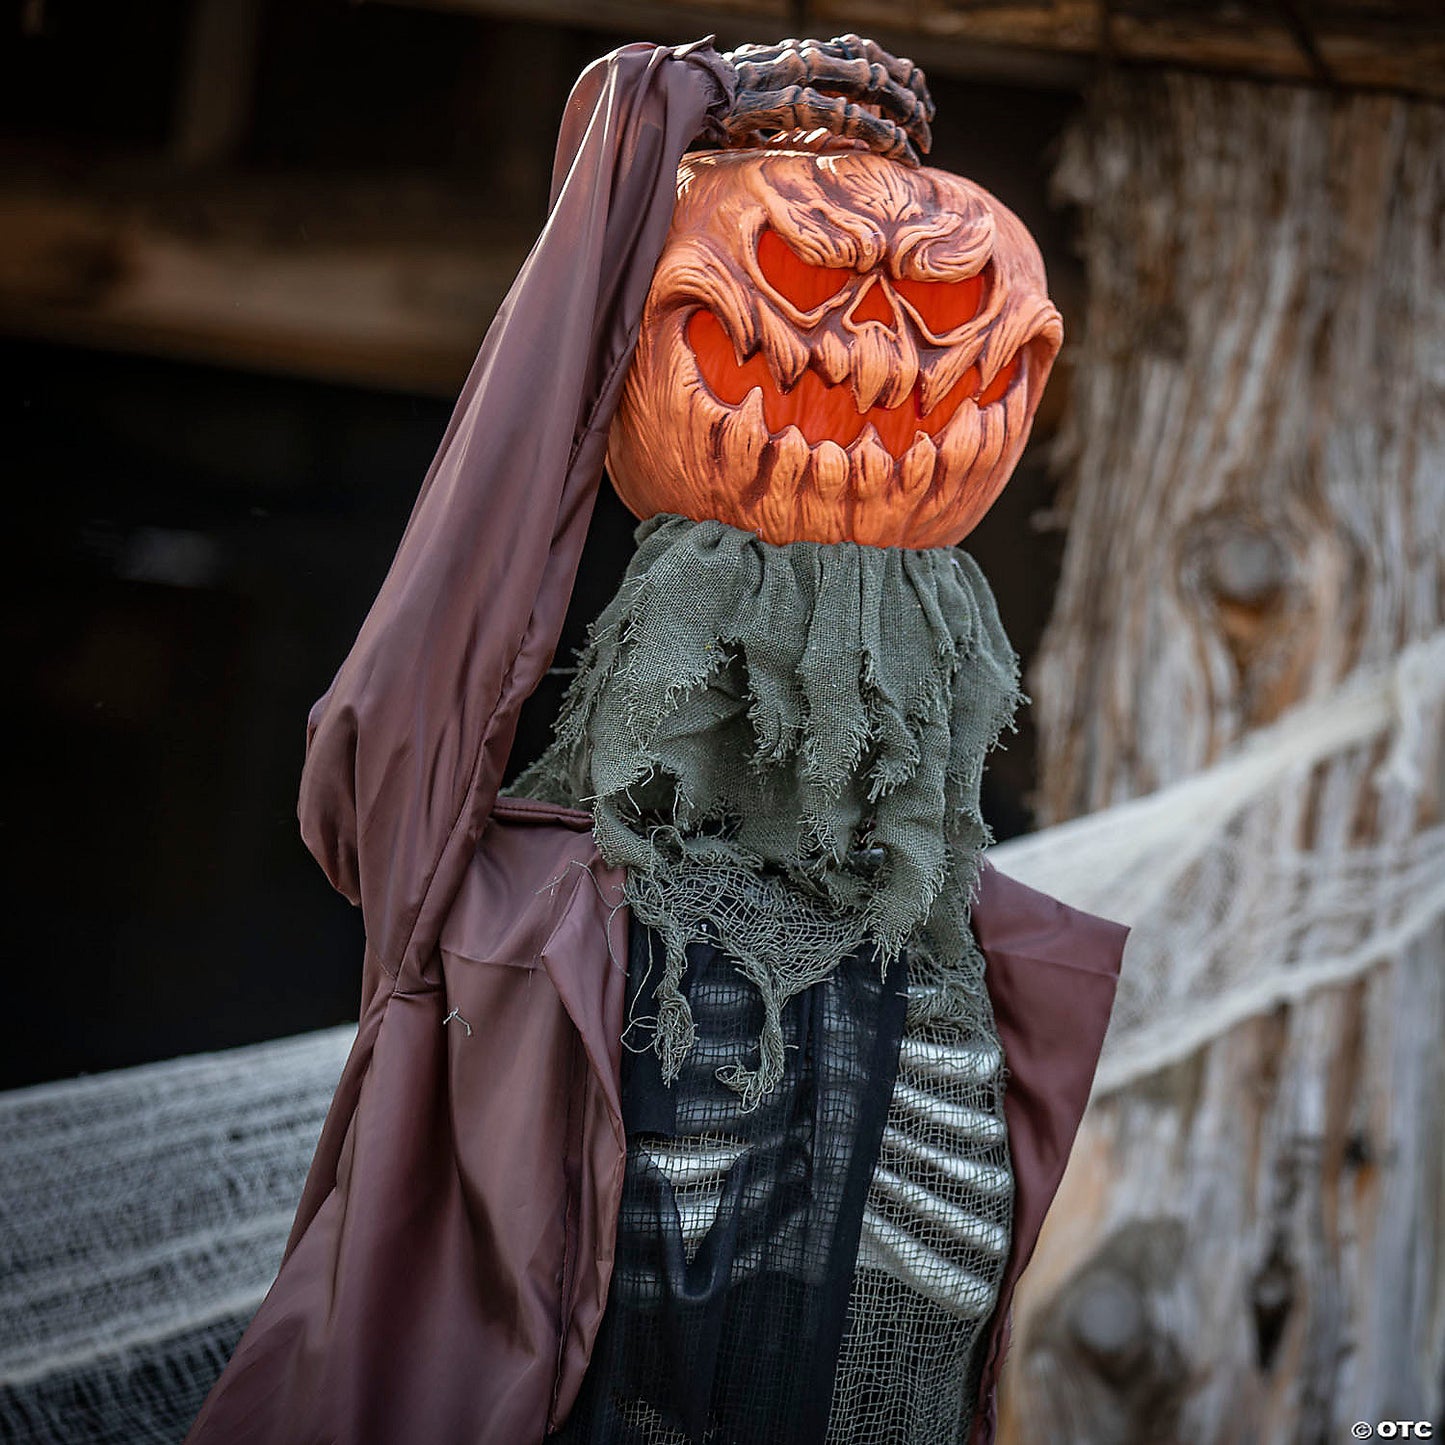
835,348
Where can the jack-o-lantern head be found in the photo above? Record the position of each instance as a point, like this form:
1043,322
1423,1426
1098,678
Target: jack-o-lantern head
836,347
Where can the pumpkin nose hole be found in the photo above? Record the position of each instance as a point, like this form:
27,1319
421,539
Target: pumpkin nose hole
874,306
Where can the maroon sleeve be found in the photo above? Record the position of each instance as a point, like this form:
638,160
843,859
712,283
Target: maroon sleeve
1051,972
405,751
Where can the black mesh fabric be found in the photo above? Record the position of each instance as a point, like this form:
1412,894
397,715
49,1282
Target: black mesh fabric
739,1229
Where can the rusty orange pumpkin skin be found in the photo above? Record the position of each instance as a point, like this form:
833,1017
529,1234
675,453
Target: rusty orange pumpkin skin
835,347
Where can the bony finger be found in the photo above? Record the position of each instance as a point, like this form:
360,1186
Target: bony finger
877,132
900,69
850,64
861,81
859,48
883,136
919,87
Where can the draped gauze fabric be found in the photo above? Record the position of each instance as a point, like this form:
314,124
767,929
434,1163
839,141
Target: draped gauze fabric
739,1228
783,746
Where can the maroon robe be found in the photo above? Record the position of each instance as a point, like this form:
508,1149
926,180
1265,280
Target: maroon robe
450,1258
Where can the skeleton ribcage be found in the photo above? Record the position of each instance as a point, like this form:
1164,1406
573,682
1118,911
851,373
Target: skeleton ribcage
938,1209
755,1194
934,1240
934,1244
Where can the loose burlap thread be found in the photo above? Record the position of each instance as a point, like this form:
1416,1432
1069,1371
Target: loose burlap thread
783,747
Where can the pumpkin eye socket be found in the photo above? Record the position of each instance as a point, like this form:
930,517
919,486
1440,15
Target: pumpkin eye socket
807,286
944,305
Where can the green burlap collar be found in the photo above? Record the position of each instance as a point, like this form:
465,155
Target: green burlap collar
783,746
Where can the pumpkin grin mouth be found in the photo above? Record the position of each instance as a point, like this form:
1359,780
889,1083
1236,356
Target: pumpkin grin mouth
824,411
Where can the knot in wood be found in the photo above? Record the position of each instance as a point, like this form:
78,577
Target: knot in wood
1245,565
1109,1322
1272,1298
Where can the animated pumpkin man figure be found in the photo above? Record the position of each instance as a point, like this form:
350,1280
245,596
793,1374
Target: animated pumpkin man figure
709,1087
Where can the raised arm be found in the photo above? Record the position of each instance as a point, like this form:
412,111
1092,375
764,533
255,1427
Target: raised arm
405,751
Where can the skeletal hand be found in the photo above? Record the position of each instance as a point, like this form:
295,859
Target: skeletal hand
834,84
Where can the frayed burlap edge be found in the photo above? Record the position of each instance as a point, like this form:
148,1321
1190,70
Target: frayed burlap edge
783,746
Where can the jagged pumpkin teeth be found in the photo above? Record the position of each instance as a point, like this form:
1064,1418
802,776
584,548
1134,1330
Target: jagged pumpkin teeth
992,430
915,469
870,467
958,447
790,459
830,469
745,435
849,418
778,504
832,359
900,383
934,418
775,509
785,356
1000,384
875,359
820,411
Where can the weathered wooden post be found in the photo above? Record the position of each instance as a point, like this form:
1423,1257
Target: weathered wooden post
1248,1245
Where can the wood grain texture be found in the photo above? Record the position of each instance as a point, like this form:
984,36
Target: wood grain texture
1248,1244
232,273
1379,44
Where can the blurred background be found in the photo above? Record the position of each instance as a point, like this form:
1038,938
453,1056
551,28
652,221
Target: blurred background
247,252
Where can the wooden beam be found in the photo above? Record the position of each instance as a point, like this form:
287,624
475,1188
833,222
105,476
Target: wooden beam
1395,45
665,23
403,314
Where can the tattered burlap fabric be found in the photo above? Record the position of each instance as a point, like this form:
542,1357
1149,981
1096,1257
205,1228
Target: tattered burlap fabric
783,747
